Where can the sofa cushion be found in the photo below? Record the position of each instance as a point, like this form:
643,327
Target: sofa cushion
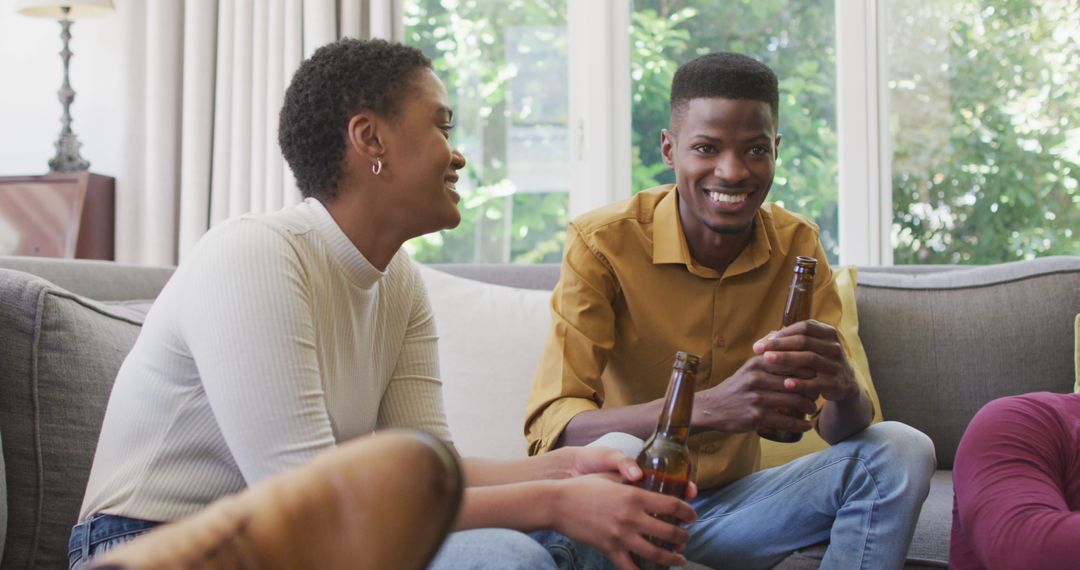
941,345
774,453
94,279
57,364
490,341
930,544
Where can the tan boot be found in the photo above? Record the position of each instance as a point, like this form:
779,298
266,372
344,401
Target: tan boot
385,501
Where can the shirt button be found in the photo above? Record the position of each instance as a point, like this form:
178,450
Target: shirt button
719,341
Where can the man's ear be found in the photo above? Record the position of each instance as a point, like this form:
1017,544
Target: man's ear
667,148
364,136
776,146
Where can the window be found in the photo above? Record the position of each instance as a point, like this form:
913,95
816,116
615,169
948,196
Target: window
504,65
915,131
985,129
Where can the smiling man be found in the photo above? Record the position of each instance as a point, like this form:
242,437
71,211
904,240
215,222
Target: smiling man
703,266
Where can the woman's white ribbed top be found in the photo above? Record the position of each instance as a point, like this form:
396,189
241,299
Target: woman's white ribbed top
272,342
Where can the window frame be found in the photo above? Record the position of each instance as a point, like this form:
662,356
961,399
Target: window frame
865,150
599,88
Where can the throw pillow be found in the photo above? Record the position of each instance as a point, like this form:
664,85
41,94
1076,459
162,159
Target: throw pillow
773,453
490,341
60,355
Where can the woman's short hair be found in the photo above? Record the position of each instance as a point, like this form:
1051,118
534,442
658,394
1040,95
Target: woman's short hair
338,81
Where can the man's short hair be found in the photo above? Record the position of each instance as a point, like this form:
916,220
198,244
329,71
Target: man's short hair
725,75
338,81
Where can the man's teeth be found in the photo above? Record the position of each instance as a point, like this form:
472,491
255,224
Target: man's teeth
726,198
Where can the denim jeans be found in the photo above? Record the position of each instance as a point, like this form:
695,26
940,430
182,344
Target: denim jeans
482,549
863,495
100,533
491,548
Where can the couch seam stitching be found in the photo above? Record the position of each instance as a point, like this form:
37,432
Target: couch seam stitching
36,410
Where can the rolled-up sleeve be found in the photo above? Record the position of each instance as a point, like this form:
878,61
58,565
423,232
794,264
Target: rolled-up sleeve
568,382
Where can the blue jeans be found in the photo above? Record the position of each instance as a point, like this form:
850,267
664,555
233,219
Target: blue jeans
489,548
863,495
100,533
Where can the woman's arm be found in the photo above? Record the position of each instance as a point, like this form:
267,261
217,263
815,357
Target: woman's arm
559,464
597,510
245,316
413,398
579,492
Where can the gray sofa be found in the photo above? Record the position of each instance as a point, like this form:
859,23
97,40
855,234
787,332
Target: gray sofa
942,341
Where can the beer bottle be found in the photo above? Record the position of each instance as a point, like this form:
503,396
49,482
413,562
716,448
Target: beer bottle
800,301
665,459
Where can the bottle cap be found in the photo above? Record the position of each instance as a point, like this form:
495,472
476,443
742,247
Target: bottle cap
685,360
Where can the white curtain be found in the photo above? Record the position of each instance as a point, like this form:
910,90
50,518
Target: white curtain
204,81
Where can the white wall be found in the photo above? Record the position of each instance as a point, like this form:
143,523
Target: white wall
31,71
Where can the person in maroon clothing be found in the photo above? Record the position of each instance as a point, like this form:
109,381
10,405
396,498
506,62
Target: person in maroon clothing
1016,480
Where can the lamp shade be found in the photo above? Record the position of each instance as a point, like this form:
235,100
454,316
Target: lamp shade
52,8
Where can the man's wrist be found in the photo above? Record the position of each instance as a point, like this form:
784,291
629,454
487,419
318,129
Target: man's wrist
855,395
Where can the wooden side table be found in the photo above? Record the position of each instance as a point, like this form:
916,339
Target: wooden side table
61,214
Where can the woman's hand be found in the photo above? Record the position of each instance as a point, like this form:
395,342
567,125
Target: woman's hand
589,460
615,518
580,461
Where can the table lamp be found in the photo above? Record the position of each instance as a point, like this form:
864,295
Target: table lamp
67,157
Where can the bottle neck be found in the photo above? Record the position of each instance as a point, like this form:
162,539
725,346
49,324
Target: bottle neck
800,299
674,422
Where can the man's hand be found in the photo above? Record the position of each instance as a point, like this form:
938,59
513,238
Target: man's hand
615,518
811,358
809,353
751,399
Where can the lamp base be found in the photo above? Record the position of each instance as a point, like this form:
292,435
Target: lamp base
67,157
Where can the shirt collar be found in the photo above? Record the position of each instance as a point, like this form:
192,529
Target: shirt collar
669,241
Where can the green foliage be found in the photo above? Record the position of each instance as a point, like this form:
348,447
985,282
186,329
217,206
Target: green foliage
986,116
467,43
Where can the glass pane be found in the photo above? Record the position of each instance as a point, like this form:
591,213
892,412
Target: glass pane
985,127
504,65
797,39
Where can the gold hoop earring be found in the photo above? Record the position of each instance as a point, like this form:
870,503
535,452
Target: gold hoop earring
376,168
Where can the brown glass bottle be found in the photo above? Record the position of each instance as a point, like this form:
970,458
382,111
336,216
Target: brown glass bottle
800,302
665,458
